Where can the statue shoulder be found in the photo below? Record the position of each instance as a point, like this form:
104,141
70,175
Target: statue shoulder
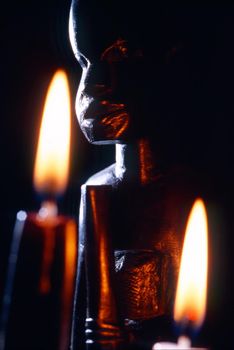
106,176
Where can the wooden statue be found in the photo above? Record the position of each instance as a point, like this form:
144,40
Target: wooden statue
136,92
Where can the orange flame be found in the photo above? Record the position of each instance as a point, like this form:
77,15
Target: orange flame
53,152
190,303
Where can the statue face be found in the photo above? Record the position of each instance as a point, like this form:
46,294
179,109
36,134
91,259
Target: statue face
117,88
138,65
102,98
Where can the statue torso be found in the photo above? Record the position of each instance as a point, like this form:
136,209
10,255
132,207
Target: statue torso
146,225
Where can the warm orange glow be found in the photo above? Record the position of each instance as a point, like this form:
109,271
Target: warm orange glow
53,152
70,255
190,303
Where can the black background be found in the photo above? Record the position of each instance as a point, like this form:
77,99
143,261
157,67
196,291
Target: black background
34,43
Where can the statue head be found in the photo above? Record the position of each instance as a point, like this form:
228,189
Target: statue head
136,59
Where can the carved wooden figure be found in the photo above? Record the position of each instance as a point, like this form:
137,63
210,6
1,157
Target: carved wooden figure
135,92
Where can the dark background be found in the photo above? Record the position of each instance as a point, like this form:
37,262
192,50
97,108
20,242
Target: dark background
34,43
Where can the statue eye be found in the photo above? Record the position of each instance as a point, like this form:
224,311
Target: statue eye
116,52
120,51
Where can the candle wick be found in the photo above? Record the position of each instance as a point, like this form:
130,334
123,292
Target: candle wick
49,209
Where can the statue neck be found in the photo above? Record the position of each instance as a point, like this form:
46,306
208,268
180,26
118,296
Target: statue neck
136,162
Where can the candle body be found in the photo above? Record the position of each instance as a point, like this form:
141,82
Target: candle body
171,346
183,343
38,300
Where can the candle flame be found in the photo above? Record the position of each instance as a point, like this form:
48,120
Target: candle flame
190,303
53,152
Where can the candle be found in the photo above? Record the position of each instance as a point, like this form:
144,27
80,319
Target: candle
42,265
190,302
182,343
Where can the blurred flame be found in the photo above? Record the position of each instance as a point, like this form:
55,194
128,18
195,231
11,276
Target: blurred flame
190,303
53,152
